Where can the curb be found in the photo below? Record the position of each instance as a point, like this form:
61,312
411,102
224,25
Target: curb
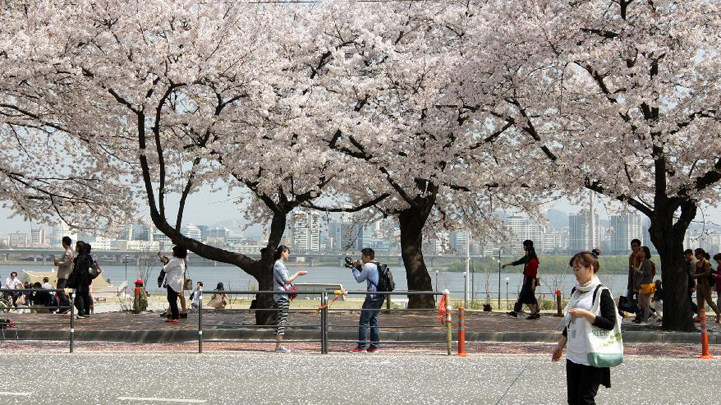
178,336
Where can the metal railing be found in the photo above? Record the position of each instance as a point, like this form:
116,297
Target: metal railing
17,321
324,325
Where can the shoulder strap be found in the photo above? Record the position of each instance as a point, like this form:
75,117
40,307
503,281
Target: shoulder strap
378,268
595,292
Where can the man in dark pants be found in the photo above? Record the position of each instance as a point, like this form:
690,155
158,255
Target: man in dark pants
65,267
368,272
634,262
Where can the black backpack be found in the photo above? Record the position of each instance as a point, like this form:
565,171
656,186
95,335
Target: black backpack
385,279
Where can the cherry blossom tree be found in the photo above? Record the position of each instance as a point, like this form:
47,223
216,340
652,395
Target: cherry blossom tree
218,93
438,159
619,97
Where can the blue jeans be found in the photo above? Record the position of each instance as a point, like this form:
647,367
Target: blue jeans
369,317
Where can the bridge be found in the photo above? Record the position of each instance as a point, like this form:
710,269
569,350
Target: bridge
45,256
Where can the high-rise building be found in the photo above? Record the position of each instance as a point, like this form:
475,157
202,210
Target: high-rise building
218,234
306,232
521,229
577,234
18,239
37,237
624,228
203,232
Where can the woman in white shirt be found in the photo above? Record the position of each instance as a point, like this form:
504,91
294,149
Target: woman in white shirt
582,379
281,283
174,274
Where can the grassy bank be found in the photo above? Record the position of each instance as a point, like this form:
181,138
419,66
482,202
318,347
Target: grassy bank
549,265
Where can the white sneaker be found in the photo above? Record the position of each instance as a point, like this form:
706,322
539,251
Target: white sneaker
282,350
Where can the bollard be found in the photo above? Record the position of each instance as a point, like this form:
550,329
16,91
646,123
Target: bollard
462,332
200,322
705,352
558,303
449,327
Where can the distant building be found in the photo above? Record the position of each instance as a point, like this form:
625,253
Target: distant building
584,232
18,239
192,231
37,237
306,232
624,228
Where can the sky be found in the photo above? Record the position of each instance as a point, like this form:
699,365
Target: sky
208,208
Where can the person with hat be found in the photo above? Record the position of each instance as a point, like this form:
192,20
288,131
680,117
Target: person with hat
530,281
140,302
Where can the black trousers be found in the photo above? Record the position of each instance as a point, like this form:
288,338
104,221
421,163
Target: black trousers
583,381
173,301
82,301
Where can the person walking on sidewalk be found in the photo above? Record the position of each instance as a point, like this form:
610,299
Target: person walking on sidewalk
703,278
647,287
583,380
530,281
80,280
282,283
367,270
632,286
65,266
174,270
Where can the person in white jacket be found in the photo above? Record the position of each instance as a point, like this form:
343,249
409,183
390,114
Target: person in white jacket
174,274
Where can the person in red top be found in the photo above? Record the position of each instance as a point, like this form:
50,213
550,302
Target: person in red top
530,281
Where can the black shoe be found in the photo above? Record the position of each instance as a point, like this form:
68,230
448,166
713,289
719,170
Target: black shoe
184,316
533,316
164,315
513,314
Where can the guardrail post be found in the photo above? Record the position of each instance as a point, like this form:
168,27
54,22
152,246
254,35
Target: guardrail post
72,321
449,326
462,332
388,301
200,323
324,323
558,303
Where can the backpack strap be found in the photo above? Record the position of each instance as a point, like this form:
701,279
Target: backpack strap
595,292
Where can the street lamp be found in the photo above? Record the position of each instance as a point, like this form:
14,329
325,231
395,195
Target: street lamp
506,292
125,261
499,278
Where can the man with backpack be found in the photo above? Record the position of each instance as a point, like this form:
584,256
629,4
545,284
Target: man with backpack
369,271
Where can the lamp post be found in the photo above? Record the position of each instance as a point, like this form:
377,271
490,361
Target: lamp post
499,278
506,292
125,261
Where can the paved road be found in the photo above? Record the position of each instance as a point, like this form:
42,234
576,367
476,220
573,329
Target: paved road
267,378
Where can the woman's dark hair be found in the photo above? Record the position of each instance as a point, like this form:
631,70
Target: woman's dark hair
527,243
279,252
180,252
220,287
14,272
586,259
717,257
531,252
646,251
79,246
85,248
707,256
700,251
37,285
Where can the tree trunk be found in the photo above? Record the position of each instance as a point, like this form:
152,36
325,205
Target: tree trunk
412,221
668,239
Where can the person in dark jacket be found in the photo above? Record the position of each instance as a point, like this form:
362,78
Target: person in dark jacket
79,279
582,379
690,269
530,281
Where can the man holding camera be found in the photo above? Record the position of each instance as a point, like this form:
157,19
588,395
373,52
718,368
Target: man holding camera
368,271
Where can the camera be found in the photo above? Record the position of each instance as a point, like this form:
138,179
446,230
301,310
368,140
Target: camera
348,262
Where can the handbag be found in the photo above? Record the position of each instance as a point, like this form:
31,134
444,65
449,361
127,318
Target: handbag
292,288
648,289
604,348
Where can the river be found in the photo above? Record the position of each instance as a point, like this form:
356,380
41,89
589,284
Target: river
234,278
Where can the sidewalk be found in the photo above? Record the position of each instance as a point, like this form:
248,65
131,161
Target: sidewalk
408,326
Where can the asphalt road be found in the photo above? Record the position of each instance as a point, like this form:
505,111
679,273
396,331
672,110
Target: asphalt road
301,378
